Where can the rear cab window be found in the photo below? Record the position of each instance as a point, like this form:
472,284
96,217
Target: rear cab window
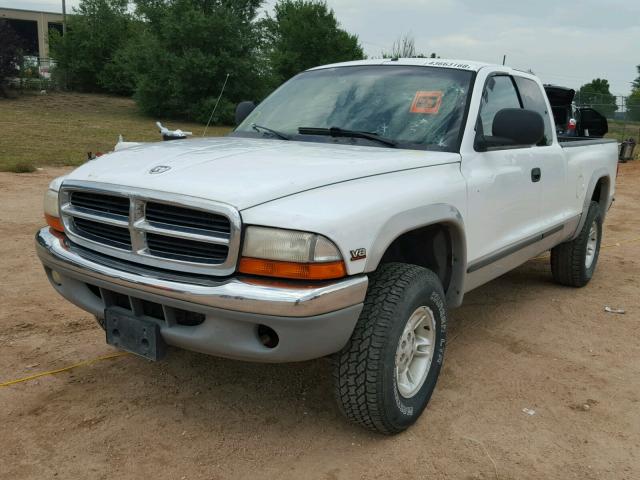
506,91
533,99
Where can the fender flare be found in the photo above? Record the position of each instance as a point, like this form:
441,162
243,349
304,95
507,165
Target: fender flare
420,217
595,178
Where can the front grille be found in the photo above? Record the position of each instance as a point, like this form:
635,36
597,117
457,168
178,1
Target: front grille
161,231
118,237
186,250
169,215
111,204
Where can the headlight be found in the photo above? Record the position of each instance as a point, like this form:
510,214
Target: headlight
290,254
51,203
51,212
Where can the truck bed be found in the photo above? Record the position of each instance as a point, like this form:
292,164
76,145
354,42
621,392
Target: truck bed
566,142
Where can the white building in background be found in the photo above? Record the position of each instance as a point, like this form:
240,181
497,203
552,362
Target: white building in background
33,27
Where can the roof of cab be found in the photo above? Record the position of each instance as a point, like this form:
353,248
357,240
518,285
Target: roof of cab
425,62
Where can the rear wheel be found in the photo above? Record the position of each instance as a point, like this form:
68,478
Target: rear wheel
385,375
573,263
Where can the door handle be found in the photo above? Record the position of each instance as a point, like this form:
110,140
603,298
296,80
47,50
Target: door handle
536,174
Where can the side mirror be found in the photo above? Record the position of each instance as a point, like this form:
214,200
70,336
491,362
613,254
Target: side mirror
513,127
243,110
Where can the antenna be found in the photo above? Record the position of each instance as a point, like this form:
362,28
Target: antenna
504,59
216,105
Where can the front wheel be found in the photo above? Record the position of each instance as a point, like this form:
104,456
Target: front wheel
385,375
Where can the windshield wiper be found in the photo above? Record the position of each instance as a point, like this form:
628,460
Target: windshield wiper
339,132
257,128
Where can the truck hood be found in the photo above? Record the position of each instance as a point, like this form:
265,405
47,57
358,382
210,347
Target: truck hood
244,172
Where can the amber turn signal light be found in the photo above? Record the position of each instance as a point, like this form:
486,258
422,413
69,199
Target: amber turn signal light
54,222
293,270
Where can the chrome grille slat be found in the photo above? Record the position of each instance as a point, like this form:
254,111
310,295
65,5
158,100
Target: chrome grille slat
186,234
101,203
97,231
109,219
194,251
168,231
185,217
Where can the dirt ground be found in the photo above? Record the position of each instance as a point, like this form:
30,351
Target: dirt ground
519,342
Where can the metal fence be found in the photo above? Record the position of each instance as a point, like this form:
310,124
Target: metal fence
623,113
619,107
42,65
35,74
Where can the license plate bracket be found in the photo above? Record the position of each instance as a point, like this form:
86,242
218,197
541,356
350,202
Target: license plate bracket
134,334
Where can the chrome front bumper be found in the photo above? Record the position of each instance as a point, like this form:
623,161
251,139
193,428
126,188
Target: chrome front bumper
311,319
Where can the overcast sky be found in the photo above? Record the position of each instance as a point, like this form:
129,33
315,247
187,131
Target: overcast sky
566,43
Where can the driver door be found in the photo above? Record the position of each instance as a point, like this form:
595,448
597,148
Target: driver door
503,193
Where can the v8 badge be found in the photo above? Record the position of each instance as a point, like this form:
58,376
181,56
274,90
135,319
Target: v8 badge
358,254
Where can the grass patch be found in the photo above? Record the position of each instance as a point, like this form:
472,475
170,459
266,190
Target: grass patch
624,130
21,167
621,130
60,128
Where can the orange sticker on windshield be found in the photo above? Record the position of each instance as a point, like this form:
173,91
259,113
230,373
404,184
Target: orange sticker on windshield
427,102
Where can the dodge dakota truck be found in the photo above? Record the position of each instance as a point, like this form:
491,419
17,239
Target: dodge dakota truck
344,216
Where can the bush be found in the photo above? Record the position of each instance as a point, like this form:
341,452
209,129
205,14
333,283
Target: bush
22,167
224,114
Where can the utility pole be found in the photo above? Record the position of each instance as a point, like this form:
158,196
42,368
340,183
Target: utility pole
64,33
64,17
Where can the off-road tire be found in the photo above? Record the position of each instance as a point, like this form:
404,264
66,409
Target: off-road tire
568,259
364,370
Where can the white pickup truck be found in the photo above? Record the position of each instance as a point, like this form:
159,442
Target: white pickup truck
344,216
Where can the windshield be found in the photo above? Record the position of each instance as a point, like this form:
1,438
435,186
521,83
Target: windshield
415,106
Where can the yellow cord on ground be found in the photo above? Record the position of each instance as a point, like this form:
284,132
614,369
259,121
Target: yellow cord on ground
64,369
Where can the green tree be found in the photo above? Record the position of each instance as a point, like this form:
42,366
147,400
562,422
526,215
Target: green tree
633,100
633,105
120,74
636,82
96,31
182,59
10,54
303,34
597,95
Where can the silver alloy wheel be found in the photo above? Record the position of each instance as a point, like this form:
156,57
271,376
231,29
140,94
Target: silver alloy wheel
592,245
415,351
